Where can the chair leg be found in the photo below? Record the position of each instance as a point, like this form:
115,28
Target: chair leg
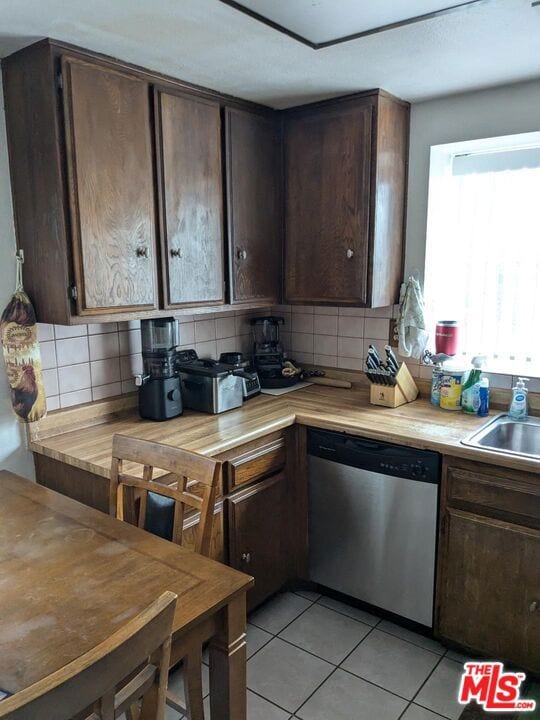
193,683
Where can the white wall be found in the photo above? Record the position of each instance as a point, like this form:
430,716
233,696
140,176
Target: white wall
13,453
489,113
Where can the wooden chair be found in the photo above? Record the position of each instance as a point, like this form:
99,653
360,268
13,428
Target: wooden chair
165,518
162,510
89,682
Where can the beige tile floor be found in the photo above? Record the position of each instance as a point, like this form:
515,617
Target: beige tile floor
314,658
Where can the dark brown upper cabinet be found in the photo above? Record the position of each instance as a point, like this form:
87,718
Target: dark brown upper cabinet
191,199
253,161
111,188
118,187
120,177
345,188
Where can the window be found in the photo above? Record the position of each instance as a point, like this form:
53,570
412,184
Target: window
483,248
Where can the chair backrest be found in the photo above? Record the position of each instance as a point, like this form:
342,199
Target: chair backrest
162,507
90,681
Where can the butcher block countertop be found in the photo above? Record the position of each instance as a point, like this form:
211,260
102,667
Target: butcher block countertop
82,436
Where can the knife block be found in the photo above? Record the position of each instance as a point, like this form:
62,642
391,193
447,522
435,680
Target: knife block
404,391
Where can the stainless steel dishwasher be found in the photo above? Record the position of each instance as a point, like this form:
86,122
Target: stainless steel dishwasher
373,521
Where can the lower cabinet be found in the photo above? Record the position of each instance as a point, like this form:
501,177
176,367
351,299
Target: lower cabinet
257,523
488,597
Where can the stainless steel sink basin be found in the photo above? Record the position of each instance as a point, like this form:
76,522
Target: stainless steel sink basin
506,435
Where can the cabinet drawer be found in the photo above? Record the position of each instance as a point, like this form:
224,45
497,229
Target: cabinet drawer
256,463
497,492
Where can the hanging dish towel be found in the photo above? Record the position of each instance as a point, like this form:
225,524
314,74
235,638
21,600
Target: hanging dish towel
22,358
411,324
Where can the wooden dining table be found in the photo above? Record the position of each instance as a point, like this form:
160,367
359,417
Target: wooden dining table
70,576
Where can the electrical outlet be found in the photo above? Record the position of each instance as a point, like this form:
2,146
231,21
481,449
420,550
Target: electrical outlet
393,337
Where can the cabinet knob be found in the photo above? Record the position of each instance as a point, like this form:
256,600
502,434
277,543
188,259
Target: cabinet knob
142,252
241,254
350,253
246,558
176,252
533,607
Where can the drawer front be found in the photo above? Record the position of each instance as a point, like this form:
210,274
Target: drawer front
498,492
256,463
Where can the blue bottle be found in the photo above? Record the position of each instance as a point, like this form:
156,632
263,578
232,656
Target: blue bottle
483,410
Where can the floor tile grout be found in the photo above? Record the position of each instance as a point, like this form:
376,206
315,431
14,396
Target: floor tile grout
339,666
423,684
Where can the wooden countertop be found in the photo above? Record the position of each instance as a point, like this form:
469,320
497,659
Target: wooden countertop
82,436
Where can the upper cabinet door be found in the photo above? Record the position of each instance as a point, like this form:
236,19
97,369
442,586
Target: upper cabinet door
111,185
191,199
253,152
327,201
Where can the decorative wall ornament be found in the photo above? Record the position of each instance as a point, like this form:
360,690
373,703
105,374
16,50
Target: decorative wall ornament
18,331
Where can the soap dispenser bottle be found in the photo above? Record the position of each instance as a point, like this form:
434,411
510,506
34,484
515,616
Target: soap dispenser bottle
519,409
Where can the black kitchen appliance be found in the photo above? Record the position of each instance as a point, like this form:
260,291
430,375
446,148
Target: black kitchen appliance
159,385
268,357
242,368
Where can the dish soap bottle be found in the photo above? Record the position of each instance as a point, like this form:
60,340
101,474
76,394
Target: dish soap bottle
518,409
470,394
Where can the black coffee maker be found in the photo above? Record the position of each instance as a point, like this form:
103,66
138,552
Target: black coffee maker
159,385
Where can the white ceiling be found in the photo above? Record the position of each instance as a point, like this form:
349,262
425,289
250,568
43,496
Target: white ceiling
322,20
212,44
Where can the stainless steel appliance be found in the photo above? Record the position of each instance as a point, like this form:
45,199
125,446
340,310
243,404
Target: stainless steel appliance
268,357
207,385
373,521
242,367
159,385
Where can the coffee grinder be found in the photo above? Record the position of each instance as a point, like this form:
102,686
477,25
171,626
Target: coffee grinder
159,385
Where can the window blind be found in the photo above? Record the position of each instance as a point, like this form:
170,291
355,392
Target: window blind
483,263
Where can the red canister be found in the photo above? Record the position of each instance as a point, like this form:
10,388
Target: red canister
446,337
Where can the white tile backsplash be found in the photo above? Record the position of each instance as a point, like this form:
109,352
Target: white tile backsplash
103,346
69,331
130,342
187,333
325,344
48,354
104,391
302,342
302,323
206,349
99,328
350,347
50,381
325,324
106,371
82,363
351,326
45,332
74,377
75,398
205,330
377,328
91,362
72,351
225,327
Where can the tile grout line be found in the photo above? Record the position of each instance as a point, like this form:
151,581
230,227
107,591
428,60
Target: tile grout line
339,667
423,685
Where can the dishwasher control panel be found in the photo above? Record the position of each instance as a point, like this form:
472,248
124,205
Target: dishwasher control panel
375,455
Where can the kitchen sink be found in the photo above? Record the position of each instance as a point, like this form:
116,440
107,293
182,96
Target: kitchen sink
504,434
